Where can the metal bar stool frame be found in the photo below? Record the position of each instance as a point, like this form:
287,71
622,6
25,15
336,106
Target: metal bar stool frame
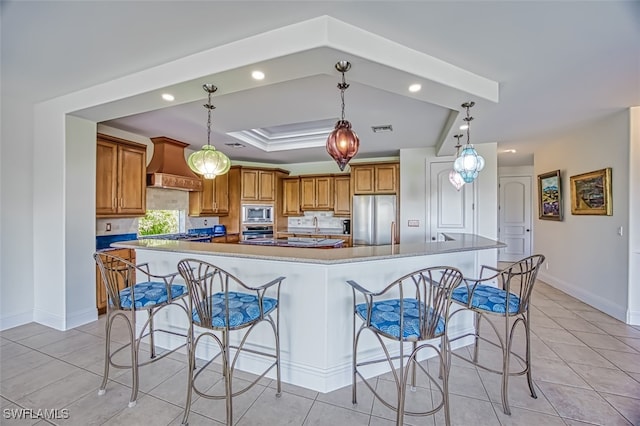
517,281
431,288
119,274
203,278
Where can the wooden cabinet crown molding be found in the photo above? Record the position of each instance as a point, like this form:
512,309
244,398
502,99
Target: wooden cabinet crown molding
121,141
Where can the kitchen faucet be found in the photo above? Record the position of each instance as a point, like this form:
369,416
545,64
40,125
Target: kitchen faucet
315,224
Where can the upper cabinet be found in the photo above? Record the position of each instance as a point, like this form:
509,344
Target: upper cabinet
316,192
213,200
291,197
258,185
120,177
381,178
342,196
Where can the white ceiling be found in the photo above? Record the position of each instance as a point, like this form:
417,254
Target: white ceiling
557,65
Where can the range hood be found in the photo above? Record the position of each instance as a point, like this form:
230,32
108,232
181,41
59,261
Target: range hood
168,167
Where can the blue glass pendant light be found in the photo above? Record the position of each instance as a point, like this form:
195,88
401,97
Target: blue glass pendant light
468,163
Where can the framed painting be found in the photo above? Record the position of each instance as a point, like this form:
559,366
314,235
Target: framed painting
591,193
550,196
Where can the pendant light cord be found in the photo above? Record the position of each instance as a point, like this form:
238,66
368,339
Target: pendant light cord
342,86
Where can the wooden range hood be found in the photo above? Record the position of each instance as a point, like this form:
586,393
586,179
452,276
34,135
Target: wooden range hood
168,167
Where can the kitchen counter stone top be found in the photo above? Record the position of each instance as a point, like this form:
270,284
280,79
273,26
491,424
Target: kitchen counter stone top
454,243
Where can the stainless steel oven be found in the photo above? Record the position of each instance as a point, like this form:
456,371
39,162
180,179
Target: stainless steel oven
257,213
250,232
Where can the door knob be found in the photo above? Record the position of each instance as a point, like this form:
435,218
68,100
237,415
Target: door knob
527,230
433,238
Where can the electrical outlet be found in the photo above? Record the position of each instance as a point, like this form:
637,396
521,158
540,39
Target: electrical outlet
205,222
546,265
108,227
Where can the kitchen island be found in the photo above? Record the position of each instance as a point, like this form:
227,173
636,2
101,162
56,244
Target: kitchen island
316,307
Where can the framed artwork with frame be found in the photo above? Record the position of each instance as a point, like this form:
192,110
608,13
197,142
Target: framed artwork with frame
591,193
550,196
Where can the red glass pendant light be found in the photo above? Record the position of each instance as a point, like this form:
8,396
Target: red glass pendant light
343,142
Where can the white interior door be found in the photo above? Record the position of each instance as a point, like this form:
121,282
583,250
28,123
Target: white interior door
450,210
514,223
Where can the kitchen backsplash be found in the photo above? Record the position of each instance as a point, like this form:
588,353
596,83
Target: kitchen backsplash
157,199
326,221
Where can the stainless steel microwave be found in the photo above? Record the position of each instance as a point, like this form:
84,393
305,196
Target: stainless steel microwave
257,213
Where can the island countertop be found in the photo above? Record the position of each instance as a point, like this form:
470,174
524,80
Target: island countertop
316,304
453,243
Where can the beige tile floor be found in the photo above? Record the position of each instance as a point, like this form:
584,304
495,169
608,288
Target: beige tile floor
586,368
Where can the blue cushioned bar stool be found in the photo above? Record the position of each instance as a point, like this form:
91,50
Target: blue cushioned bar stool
126,297
220,304
508,301
413,309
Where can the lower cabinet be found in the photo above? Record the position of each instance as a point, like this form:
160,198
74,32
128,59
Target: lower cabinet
229,238
101,290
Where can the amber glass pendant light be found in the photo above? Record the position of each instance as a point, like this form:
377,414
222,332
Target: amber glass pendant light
343,142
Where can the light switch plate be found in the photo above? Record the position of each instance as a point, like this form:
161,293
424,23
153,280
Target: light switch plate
413,223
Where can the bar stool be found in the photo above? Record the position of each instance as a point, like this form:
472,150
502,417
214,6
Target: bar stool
126,297
509,301
413,308
221,303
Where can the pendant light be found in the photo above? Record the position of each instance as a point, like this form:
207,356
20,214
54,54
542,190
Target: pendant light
468,163
454,177
342,143
209,162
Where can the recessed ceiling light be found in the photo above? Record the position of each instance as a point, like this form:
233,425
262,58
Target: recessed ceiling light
415,87
168,97
510,151
464,127
257,75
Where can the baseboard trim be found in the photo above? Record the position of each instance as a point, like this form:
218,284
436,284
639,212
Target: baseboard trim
15,320
598,302
633,317
79,318
49,319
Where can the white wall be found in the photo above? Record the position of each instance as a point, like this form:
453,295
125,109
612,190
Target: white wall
633,312
80,149
16,218
585,256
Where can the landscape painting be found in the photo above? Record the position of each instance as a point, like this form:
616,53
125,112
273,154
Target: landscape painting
550,196
591,193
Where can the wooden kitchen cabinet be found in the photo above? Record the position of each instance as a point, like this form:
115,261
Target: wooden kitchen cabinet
316,193
379,178
291,197
342,196
101,290
120,177
213,200
258,185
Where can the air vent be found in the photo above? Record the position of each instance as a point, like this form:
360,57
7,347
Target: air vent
383,128
235,145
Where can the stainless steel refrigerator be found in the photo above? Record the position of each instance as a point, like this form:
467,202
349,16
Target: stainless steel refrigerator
373,216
